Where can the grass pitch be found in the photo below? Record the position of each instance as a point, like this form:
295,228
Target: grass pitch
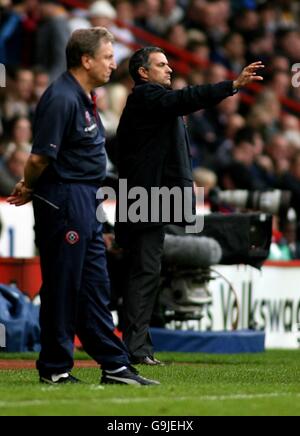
192,385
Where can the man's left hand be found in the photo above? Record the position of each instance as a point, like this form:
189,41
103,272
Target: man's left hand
20,195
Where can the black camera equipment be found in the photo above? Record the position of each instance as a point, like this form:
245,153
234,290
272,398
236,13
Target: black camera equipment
188,260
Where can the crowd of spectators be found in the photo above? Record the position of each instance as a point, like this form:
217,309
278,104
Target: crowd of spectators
236,145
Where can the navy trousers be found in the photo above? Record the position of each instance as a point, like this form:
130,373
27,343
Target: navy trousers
75,293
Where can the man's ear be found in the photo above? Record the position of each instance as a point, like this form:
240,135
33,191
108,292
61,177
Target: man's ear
144,73
86,62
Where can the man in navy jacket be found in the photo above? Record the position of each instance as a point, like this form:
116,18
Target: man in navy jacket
153,152
62,176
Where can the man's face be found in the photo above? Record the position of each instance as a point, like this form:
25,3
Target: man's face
102,65
25,84
5,3
158,71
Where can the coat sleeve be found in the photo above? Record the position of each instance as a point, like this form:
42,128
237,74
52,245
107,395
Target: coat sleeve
187,100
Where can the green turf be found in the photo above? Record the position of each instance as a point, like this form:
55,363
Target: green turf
194,384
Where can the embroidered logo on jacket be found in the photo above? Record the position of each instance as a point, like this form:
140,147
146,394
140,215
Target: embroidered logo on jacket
91,125
72,237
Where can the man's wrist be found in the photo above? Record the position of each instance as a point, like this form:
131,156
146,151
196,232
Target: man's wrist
28,188
235,87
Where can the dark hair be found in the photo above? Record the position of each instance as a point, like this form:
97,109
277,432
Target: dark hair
295,158
85,42
141,59
246,134
229,37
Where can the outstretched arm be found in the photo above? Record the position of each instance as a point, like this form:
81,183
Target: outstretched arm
193,98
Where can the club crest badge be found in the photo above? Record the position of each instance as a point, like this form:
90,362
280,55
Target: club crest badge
72,238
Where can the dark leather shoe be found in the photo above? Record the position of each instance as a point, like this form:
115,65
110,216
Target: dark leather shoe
157,362
147,360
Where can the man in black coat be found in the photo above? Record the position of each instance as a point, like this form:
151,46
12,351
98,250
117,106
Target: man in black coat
153,152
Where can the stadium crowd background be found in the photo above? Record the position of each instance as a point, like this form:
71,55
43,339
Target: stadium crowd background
237,145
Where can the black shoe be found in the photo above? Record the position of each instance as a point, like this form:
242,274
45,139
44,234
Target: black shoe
147,360
61,379
157,362
133,369
126,377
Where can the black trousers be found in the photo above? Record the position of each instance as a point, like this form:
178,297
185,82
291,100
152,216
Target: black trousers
143,256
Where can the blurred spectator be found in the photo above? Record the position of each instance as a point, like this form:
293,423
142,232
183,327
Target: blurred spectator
233,53
279,63
78,20
41,83
199,49
290,181
52,37
12,171
261,47
30,12
288,12
223,155
125,11
268,14
216,73
235,123
21,136
102,14
177,36
210,17
278,150
243,172
179,82
207,129
10,34
280,83
109,120
146,12
291,130
289,43
19,96
117,94
246,22
111,102
265,114
170,14
289,241
3,147
122,76
205,178
196,77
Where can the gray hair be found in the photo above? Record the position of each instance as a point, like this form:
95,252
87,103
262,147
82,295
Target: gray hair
85,42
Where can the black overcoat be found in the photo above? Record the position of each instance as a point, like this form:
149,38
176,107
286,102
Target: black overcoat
153,141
